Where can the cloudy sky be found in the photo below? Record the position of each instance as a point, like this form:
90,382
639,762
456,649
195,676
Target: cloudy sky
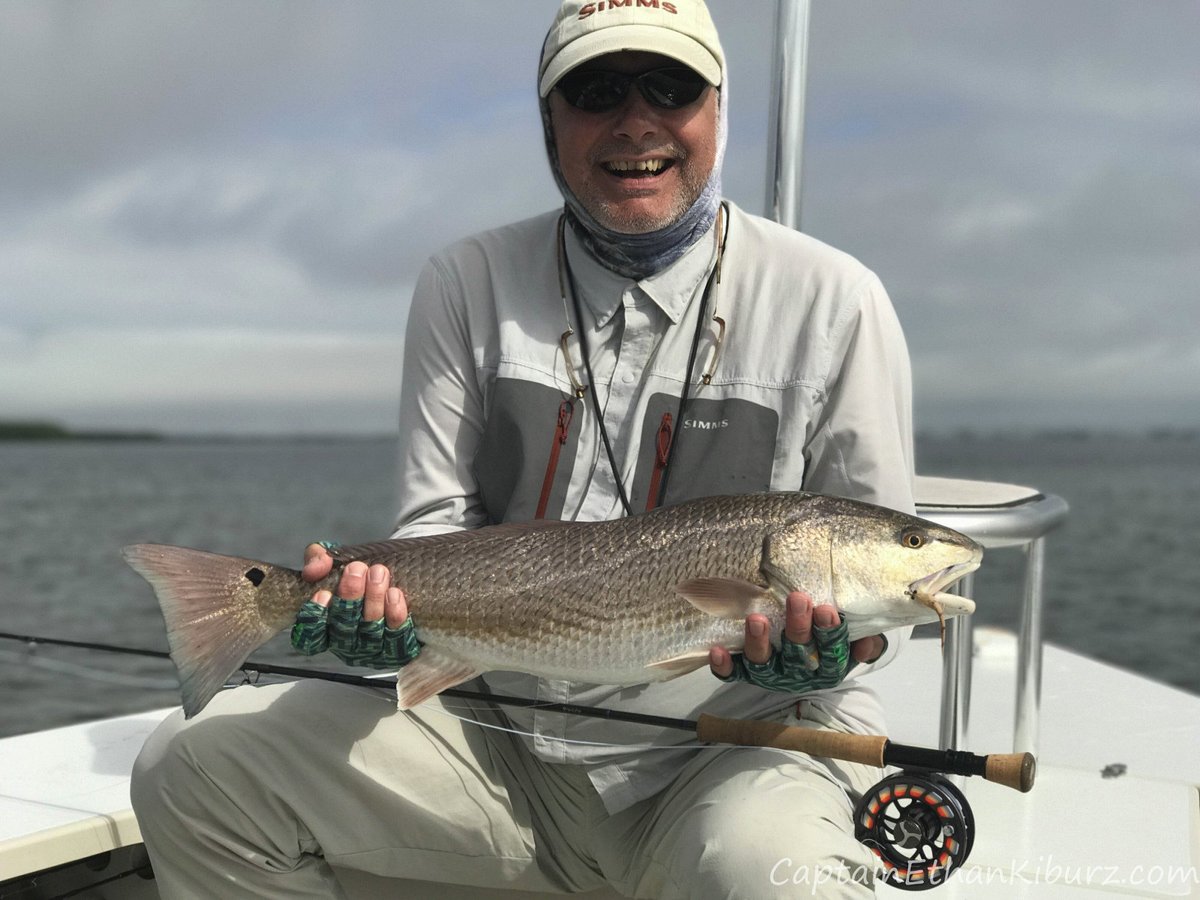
212,213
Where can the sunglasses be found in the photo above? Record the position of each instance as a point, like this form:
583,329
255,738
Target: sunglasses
597,90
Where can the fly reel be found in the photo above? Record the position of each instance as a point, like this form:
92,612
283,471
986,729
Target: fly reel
920,826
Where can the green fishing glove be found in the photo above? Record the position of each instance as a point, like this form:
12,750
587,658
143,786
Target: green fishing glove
797,668
340,629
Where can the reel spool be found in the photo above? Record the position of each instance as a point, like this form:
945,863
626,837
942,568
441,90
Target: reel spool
920,826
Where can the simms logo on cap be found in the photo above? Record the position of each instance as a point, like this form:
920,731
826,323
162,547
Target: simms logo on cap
681,30
588,8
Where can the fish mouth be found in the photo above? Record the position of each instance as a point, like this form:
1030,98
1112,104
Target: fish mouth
931,588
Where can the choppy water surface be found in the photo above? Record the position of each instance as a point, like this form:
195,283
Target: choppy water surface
66,509
1123,572
1122,575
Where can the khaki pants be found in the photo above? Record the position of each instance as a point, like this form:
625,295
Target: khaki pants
271,789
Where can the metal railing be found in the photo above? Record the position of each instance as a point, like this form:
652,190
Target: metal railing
996,515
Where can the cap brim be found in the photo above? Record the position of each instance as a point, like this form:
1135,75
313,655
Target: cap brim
643,38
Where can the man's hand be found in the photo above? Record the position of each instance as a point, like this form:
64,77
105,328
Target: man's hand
366,624
815,653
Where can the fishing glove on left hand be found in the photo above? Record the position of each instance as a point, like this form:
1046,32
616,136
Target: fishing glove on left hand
790,668
340,629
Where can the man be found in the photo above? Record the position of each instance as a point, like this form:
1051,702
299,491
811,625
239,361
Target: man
644,346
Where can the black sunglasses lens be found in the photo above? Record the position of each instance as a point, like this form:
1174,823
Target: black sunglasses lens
594,91
672,88
600,91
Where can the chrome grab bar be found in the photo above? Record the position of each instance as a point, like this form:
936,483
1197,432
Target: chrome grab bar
997,515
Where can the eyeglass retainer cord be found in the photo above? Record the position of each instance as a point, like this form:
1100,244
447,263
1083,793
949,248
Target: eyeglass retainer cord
566,283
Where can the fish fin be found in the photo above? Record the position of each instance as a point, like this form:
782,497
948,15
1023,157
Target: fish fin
210,632
430,673
681,664
726,598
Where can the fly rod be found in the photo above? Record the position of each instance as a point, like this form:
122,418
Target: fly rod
1014,770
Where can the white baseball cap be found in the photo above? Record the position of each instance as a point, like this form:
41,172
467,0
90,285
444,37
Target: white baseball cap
680,29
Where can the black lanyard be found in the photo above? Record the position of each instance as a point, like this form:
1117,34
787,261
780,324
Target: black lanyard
701,318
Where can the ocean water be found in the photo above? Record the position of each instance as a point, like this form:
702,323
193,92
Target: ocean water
1122,580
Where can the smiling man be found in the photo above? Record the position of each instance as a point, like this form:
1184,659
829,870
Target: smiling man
645,344
633,167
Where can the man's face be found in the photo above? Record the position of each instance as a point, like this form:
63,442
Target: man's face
598,152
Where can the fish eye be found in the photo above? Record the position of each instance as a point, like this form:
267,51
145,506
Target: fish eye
255,576
913,538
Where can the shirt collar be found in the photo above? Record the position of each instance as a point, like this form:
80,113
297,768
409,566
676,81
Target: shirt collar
671,290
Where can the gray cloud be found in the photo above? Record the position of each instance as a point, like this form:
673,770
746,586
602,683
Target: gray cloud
226,378
178,176
1022,176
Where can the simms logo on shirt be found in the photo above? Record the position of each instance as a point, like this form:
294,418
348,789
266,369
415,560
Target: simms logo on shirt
705,425
588,8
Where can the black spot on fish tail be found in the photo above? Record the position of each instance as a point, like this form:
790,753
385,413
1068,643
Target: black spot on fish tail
212,625
255,576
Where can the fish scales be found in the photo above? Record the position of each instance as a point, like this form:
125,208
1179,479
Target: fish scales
625,601
592,572
613,581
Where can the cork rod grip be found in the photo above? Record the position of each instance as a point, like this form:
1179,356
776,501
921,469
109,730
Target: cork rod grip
1014,770
859,748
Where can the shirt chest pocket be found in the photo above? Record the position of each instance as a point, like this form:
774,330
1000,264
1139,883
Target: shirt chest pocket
527,451
721,446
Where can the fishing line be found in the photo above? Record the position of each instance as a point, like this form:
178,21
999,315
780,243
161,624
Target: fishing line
559,740
83,645
377,682
383,681
65,668
1014,770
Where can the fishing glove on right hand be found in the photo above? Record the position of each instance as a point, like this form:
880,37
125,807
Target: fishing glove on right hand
340,629
797,668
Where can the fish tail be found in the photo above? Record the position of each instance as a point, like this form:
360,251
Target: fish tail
213,622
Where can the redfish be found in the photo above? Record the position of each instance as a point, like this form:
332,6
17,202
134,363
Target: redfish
626,601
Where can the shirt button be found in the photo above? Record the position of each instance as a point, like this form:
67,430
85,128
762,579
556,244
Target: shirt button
628,378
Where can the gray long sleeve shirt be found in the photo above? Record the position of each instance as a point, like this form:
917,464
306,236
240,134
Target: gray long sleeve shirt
810,391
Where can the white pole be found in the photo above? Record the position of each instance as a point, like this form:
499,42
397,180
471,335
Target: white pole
785,150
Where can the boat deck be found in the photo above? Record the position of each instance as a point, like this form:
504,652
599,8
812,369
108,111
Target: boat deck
1083,831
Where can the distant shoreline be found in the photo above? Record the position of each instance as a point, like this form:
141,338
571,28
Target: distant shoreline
33,431
49,431
52,431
